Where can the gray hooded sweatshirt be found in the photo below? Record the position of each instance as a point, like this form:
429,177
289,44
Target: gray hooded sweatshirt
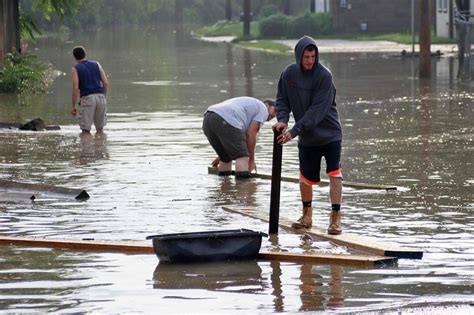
311,96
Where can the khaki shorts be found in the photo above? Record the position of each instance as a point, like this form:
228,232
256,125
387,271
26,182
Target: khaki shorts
93,109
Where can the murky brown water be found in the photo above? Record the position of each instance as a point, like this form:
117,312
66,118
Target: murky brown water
148,175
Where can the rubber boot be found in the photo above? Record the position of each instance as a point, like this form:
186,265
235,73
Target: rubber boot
305,221
335,223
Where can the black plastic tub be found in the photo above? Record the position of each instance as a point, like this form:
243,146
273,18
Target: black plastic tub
239,244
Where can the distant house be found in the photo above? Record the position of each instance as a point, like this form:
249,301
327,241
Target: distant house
381,16
387,16
321,5
445,24
444,18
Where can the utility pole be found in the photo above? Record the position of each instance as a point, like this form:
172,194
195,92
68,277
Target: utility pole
246,19
425,38
178,12
451,19
312,6
228,10
412,27
286,7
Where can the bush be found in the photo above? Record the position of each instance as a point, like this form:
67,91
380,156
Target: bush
275,26
22,73
312,24
267,10
303,25
282,26
324,23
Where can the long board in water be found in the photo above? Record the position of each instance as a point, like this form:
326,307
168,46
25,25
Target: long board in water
353,241
143,248
78,194
324,182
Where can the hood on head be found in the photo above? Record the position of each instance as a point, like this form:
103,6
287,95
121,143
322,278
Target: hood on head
301,45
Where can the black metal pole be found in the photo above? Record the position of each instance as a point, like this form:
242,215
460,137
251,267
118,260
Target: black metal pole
276,183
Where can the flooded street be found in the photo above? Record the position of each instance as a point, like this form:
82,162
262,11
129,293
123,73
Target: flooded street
148,175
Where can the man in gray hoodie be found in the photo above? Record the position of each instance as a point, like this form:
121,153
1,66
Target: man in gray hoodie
306,89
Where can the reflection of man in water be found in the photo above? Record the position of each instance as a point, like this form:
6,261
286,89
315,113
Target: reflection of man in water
92,148
89,80
240,192
336,289
313,296
232,127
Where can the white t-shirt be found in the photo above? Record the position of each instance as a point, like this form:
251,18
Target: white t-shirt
239,112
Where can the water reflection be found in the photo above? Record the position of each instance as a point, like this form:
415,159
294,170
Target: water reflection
313,288
317,289
230,70
41,286
320,287
336,288
277,286
241,276
425,149
91,148
228,190
248,72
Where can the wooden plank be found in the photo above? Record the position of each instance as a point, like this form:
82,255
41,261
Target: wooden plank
78,194
353,241
324,182
143,248
87,245
334,259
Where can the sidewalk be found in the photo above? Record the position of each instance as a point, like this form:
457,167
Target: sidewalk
350,46
340,45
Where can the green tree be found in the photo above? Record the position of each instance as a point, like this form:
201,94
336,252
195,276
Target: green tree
16,23
62,9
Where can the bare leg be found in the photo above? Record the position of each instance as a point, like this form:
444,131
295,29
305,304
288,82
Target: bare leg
225,166
242,168
306,191
242,164
335,190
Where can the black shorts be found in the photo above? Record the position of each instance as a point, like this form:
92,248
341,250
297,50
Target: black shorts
230,143
310,161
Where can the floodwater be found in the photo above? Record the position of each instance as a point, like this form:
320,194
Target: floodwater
148,175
